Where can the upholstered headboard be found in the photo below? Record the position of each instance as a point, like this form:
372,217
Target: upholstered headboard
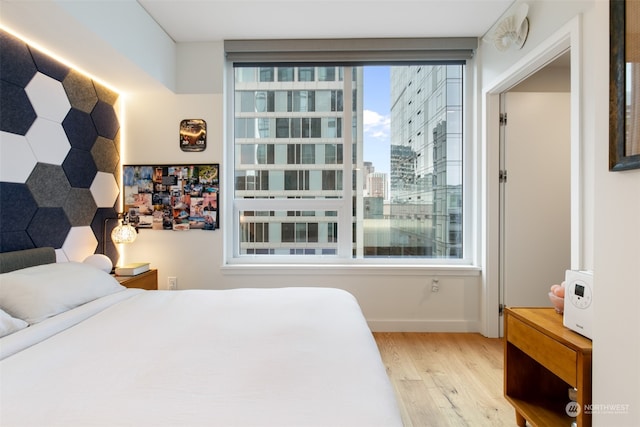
16,260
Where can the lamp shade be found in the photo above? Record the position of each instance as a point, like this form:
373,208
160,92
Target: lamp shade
123,233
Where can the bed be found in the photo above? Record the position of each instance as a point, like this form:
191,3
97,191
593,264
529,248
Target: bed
81,350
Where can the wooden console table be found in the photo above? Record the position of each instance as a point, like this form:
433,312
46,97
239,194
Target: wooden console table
543,359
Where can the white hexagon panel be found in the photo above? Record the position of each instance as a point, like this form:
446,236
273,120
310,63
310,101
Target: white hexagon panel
48,98
48,141
16,158
104,189
79,244
61,256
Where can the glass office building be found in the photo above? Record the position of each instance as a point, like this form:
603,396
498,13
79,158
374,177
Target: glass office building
295,129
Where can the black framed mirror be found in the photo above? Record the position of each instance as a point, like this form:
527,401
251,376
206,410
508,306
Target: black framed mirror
624,85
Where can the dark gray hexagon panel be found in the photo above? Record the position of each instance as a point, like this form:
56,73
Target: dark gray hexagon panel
80,90
18,208
105,94
16,63
105,155
80,168
104,117
49,66
80,129
80,207
49,227
48,185
15,241
63,206
17,112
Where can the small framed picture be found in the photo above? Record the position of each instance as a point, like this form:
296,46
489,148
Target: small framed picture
193,135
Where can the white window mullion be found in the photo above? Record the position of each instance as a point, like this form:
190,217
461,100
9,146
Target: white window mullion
344,215
288,204
359,189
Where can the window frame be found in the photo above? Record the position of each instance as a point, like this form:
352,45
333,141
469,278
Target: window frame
342,207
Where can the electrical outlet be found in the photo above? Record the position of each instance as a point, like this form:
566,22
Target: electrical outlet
172,283
435,285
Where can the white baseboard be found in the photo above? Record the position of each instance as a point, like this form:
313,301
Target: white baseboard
424,325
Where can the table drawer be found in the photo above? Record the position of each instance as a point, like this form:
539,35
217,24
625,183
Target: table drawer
558,358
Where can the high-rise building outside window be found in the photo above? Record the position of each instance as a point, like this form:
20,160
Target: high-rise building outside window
348,162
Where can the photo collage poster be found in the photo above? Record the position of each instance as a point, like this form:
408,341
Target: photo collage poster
181,197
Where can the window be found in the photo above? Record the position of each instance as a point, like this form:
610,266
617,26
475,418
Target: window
351,163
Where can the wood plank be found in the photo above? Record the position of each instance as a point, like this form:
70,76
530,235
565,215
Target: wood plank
445,379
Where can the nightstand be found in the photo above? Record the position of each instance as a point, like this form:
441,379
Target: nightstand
147,280
543,359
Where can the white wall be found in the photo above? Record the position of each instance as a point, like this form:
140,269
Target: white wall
616,249
610,209
117,52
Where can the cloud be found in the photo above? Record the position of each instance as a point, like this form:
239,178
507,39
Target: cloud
375,125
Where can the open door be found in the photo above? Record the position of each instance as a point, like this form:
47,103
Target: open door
535,196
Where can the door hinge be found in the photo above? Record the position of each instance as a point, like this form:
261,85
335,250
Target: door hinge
500,309
503,176
503,119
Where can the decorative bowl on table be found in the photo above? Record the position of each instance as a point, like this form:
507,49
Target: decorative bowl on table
558,303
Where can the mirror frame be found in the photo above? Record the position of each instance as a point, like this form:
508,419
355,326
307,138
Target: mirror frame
618,158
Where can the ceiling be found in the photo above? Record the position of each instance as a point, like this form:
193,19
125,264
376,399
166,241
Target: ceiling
216,20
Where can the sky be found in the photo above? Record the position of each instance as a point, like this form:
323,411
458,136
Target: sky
377,116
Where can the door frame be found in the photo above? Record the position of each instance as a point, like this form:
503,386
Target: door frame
566,38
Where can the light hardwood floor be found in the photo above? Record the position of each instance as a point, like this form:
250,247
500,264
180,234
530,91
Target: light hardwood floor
445,379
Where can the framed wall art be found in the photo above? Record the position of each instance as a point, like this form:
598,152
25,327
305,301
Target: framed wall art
172,197
624,85
193,135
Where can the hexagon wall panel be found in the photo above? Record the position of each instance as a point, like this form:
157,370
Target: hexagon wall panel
16,158
50,67
81,91
105,120
59,155
48,185
80,168
79,244
48,98
16,63
48,141
105,190
80,129
49,227
105,154
17,111
80,206
18,207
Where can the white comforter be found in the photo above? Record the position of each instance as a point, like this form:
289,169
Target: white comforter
246,357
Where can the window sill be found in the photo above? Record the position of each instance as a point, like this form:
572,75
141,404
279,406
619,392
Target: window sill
345,270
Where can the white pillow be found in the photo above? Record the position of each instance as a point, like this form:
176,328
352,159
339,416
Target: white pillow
99,261
9,325
33,294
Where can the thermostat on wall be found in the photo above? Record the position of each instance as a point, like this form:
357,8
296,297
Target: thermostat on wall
578,302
